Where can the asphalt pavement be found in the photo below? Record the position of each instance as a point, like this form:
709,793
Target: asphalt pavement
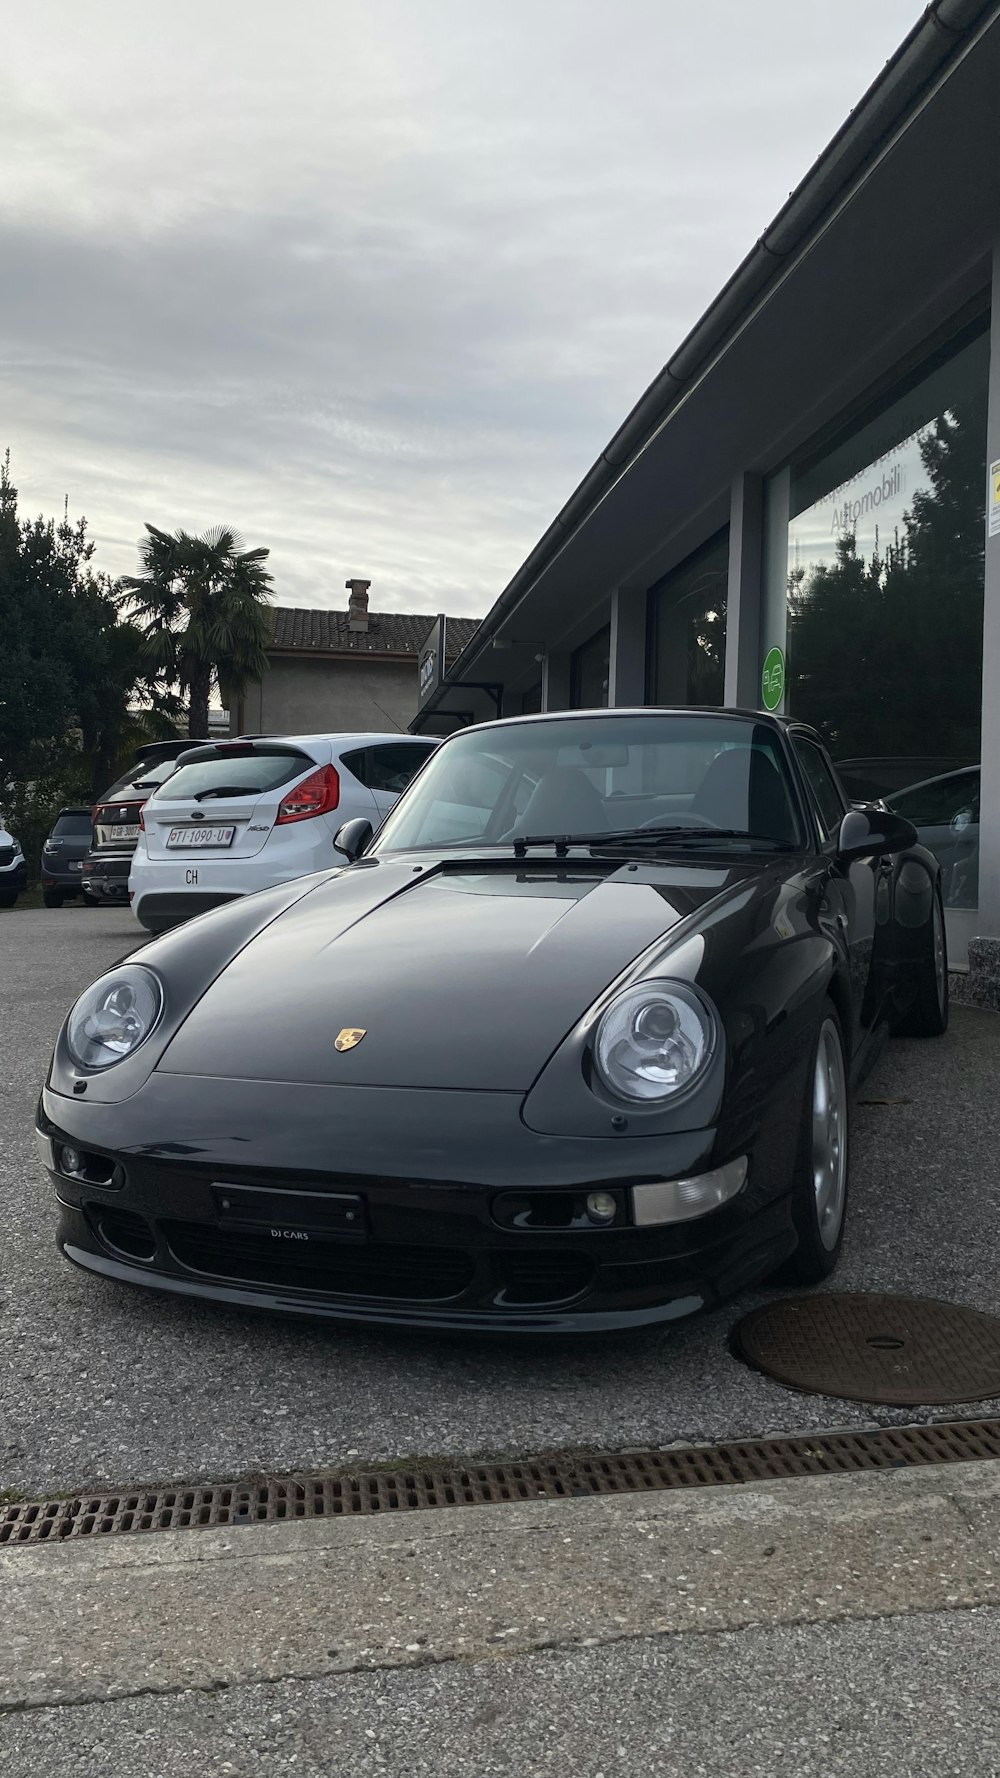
100,1385
902,1697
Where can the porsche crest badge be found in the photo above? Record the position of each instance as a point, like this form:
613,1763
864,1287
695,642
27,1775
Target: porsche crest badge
349,1038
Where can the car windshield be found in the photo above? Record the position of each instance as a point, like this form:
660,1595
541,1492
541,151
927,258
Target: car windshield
701,780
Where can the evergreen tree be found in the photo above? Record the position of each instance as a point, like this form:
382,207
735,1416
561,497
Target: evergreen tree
76,686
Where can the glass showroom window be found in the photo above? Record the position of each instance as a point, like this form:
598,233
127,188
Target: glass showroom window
687,615
590,673
884,619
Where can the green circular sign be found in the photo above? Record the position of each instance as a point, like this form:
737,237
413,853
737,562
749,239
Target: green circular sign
772,679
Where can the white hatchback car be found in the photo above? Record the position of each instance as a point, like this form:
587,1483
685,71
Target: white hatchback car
241,815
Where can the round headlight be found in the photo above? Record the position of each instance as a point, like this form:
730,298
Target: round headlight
654,1040
113,1017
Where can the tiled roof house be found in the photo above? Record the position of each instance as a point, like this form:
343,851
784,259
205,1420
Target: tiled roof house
342,670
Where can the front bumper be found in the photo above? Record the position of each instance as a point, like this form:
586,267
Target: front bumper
225,1190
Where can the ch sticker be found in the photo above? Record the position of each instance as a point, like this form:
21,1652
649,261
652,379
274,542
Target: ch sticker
348,1039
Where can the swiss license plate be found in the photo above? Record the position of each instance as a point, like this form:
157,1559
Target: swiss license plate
124,833
187,838
76,864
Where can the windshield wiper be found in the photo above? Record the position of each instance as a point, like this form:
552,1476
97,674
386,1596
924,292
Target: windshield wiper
563,841
697,836
229,790
647,838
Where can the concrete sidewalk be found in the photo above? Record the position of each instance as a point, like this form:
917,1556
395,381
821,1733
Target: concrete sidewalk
645,1601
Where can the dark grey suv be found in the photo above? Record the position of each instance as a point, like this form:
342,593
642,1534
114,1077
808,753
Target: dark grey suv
62,857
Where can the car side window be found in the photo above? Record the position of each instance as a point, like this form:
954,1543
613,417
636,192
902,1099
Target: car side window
826,796
357,764
391,766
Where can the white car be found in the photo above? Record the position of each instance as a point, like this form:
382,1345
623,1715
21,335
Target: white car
242,815
13,871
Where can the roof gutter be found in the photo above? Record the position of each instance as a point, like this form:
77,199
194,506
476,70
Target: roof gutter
920,63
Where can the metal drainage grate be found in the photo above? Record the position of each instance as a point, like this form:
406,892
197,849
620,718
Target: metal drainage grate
562,1476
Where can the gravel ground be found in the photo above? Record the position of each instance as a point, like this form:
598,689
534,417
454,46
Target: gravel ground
101,1385
902,1695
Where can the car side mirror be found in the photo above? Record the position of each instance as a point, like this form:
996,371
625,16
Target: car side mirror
353,837
870,833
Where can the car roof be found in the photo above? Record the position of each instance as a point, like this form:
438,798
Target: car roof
939,778
155,750
727,712
342,738
74,809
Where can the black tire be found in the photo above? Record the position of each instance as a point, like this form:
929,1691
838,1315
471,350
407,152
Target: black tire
927,1013
89,901
7,898
821,1232
52,898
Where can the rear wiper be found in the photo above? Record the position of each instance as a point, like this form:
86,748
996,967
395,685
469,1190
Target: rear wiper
230,790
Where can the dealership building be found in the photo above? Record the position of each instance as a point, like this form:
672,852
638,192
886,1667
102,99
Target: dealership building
802,513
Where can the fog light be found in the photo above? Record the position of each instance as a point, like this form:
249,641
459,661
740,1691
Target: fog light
680,1200
601,1207
70,1160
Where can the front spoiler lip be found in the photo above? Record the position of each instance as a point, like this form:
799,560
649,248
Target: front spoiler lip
245,1296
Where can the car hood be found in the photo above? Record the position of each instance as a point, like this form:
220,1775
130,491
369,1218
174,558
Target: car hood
458,977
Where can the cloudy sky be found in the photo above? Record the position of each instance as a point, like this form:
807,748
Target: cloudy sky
376,282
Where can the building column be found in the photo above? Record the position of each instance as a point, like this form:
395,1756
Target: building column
988,921
744,592
555,682
627,682
773,622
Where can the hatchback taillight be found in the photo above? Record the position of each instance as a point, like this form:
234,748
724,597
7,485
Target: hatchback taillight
316,795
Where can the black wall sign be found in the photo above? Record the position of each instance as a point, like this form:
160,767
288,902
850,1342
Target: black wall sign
430,662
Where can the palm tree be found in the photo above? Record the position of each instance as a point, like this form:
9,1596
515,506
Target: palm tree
201,603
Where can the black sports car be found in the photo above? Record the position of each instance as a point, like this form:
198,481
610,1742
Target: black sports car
568,1045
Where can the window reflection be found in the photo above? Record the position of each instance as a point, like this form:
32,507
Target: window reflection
885,599
688,616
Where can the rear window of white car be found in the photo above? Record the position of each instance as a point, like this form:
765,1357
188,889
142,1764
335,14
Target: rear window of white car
236,774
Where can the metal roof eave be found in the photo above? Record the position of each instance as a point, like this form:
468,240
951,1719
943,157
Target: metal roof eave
922,61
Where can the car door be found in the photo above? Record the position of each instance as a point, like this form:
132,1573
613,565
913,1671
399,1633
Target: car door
859,894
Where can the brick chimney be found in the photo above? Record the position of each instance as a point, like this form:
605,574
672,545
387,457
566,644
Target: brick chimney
357,605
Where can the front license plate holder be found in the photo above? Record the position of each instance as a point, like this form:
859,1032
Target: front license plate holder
291,1215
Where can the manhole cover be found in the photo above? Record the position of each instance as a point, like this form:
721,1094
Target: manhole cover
908,1351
